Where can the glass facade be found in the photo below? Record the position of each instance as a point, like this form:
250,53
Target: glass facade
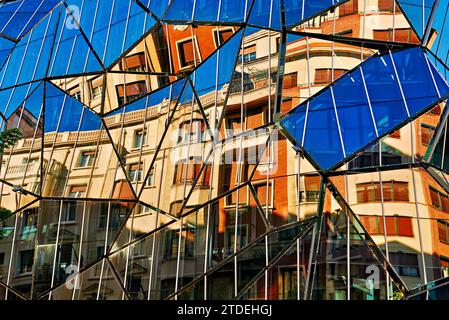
226,149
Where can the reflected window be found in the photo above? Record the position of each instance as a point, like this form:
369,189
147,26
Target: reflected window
134,63
439,199
392,191
193,131
96,88
86,158
77,95
26,258
188,52
348,8
249,54
312,189
171,243
324,76
395,225
406,264
289,280
29,221
290,80
400,35
77,191
151,179
140,138
426,133
443,231
188,171
395,135
130,91
264,193
444,264
135,172
242,236
221,35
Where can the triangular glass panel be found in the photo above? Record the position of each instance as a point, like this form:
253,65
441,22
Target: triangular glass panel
377,98
18,17
344,21
298,11
73,234
18,235
384,203
71,49
112,29
224,282
6,47
417,12
22,163
29,59
284,192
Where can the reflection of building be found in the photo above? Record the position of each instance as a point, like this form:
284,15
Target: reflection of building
211,172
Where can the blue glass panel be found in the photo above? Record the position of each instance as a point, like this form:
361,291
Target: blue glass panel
34,103
383,89
205,75
157,7
67,111
180,10
29,59
261,16
71,50
440,45
12,98
440,81
138,24
294,9
6,47
234,11
30,12
356,123
417,11
206,10
294,123
416,80
322,139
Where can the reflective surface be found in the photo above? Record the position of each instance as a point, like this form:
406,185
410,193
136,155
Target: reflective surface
257,149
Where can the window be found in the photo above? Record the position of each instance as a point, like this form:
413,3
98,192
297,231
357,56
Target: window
140,138
426,133
29,221
443,231
26,258
192,131
392,191
220,36
290,80
135,172
96,88
242,235
86,158
77,95
77,191
400,35
323,76
134,63
436,110
439,199
130,91
188,56
312,189
395,225
395,135
406,264
172,240
249,54
444,264
150,180
264,193
189,171
348,8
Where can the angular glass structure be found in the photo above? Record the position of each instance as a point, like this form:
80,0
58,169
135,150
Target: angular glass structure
252,149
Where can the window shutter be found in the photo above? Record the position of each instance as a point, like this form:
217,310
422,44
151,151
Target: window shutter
405,228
